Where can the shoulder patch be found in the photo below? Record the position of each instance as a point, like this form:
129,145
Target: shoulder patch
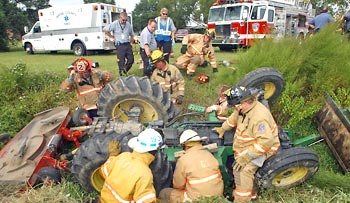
261,128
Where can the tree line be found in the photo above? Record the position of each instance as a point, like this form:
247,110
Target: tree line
15,14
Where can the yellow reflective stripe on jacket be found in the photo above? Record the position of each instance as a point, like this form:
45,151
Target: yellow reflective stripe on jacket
147,197
116,196
198,52
95,89
206,179
90,107
230,124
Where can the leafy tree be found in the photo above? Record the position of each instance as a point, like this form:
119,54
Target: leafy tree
144,10
3,27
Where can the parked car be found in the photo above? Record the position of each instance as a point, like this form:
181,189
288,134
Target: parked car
180,33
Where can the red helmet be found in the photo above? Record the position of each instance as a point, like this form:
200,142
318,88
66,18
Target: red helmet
202,78
82,65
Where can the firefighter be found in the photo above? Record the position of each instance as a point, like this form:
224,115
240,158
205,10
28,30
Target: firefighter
255,138
220,107
165,33
168,76
196,174
194,48
128,177
87,82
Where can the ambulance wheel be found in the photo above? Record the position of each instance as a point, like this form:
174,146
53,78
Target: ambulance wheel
93,153
48,175
269,80
120,95
29,48
79,49
288,168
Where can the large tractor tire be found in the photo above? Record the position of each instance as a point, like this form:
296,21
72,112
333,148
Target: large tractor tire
94,152
125,92
288,168
267,79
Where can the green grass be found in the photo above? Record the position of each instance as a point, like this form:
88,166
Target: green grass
30,84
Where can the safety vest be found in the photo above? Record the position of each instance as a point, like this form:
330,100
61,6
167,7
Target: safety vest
163,32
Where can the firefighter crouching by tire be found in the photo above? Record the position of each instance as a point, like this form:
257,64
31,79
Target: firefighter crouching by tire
194,48
88,82
255,139
168,77
196,174
220,107
128,177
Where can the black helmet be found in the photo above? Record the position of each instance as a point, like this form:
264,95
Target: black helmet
237,94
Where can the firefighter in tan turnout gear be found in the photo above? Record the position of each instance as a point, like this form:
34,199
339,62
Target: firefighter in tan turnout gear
88,82
168,76
196,174
195,47
255,139
128,177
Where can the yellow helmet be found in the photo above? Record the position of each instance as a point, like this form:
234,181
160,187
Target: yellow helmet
156,56
210,33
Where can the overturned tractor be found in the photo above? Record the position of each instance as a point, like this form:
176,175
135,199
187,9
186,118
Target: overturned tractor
127,106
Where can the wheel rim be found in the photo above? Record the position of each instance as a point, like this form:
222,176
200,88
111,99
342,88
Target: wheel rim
97,180
148,112
290,176
269,89
78,51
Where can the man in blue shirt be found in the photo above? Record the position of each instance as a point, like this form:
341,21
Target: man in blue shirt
147,45
321,20
123,36
165,33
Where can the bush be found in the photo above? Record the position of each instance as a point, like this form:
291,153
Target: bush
25,94
312,68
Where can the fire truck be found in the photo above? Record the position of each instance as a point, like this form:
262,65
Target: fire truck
72,27
239,23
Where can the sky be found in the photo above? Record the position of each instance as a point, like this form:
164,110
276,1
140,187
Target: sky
128,4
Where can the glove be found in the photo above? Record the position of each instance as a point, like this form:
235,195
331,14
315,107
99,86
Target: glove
183,49
172,42
114,148
241,162
215,70
179,99
220,131
211,108
71,77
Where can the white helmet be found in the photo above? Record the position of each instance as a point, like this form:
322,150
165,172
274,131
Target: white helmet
148,140
189,136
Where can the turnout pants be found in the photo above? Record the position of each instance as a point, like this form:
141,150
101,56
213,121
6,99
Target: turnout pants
189,63
244,180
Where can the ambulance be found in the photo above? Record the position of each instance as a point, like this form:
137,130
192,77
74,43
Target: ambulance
239,23
75,27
